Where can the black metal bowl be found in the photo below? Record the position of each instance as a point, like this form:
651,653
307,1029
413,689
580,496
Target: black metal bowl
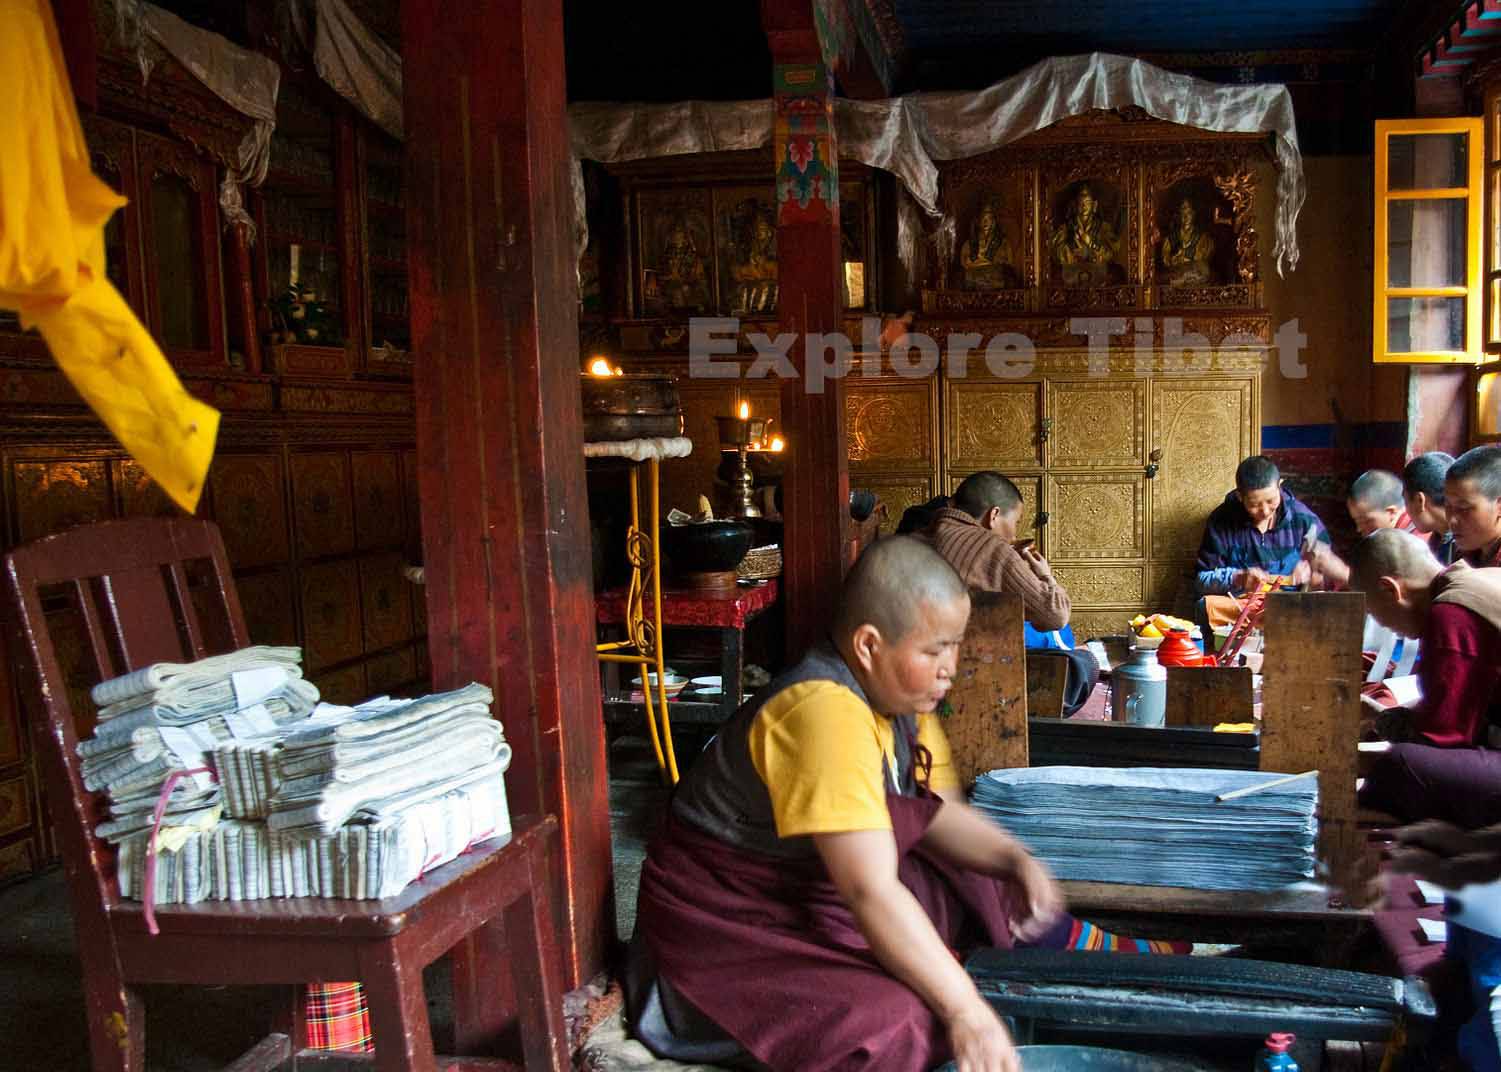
710,547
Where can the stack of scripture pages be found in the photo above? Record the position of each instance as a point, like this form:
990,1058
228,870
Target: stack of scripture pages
169,717
1158,826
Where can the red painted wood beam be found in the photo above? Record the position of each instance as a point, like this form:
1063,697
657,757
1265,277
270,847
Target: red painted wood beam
499,421
815,489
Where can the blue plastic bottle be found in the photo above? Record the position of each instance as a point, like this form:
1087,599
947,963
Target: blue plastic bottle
1275,1057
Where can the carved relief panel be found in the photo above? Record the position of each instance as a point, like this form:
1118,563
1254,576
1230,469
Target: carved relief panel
1094,586
270,612
249,505
1204,429
331,625
1096,424
140,496
321,506
896,494
889,425
385,596
994,425
377,499
1088,253
1201,241
56,495
987,262
1097,515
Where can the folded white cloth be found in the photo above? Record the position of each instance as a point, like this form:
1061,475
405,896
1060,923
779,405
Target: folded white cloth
180,677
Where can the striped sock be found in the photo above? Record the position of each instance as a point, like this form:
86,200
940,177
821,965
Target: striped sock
1085,935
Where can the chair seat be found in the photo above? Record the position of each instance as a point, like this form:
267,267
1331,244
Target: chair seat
326,917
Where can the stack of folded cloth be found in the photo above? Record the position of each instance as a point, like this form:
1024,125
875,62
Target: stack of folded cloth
1158,827
169,717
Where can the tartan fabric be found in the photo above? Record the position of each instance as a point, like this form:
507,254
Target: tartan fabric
1231,542
338,1017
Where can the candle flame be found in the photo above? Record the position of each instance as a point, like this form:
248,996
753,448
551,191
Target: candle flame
600,367
778,443
745,411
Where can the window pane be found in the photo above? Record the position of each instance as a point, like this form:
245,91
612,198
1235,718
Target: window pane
1426,161
179,277
1425,243
1425,325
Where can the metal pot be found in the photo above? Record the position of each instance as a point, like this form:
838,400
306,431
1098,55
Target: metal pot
630,407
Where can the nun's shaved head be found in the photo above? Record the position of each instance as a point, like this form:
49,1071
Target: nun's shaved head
888,585
1391,553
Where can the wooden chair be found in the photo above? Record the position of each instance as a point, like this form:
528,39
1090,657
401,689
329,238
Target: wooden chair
161,590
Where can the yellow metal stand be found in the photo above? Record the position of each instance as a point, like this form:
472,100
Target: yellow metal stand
642,646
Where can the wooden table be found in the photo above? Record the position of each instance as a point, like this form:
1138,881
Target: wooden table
725,615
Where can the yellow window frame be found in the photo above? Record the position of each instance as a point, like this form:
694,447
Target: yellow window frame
1473,129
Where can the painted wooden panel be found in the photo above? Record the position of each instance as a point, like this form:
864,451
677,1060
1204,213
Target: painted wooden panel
140,496
321,503
249,505
331,626
55,495
378,520
346,686
1102,621
1204,430
270,611
1096,424
994,426
386,598
1097,515
15,805
18,859
387,672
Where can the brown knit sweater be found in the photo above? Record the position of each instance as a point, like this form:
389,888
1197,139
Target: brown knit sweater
988,563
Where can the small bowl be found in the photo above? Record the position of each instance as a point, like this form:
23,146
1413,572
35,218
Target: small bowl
1144,643
708,547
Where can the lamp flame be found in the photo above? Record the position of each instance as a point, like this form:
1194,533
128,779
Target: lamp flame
745,411
778,443
600,367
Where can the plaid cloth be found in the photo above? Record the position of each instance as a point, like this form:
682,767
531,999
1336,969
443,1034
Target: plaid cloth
338,1017
1231,542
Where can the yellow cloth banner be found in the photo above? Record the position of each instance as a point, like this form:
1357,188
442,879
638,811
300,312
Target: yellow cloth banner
52,215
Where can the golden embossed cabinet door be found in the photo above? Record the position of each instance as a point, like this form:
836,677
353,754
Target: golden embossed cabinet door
1095,424
993,425
1204,428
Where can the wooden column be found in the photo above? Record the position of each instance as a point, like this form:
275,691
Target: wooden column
815,490
499,423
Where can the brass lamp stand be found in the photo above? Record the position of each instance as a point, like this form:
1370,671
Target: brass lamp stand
740,433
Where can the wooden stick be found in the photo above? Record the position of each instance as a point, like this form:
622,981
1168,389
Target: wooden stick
1273,784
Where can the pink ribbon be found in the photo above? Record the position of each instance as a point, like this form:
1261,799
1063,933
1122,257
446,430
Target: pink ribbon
156,825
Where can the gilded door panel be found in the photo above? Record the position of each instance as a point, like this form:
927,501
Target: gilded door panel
1097,515
994,426
345,686
1026,525
1171,585
889,425
15,805
1204,430
55,495
1102,621
1097,424
270,612
1097,586
685,479
331,625
320,503
140,496
377,499
387,600
896,494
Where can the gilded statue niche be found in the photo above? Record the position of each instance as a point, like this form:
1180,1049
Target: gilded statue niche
676,252
1202,240
1086,234
746,221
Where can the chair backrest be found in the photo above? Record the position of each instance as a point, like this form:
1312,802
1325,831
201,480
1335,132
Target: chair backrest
146,590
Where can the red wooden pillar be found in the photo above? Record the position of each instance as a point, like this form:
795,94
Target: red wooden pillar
815,490
499,422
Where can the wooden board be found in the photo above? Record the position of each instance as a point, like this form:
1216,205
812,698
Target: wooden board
1311,708
1208,695
1047,675
988,725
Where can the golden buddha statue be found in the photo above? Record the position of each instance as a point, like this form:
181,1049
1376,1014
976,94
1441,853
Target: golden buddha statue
682,280
1185,252
754,269
1084,245
985,258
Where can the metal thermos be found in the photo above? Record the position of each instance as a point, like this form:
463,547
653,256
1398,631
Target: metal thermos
1141,689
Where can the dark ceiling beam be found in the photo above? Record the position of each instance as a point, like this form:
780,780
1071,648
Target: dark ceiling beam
858,39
